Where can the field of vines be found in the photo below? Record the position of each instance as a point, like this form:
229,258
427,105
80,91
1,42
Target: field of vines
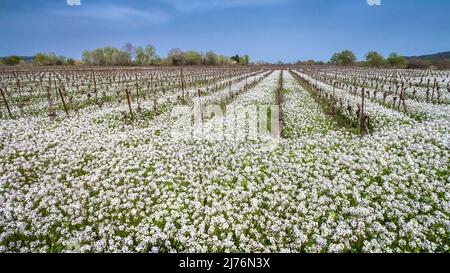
359,161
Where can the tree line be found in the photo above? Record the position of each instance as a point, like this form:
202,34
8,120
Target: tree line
38,59
376,60
372,59
130,54
146,55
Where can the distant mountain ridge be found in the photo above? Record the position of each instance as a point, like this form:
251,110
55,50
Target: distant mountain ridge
430,57
25,58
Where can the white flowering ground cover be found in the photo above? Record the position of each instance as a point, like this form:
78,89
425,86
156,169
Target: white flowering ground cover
94,183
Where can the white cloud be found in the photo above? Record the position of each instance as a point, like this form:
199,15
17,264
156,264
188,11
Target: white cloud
116,14
194,5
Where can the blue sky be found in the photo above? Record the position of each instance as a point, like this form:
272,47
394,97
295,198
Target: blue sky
270,30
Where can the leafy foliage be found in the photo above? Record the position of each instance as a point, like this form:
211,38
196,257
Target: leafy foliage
345,57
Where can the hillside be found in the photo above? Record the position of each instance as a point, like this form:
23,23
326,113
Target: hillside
436,56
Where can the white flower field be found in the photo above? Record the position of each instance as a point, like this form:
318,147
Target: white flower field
91,160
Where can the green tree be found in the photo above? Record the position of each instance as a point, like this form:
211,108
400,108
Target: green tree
193,58
375,59
99,56
308,62
211,58
60,60
70,61
130,49
49,59
335,59
222,60
245,60
87,57
110,55
175,56
150,53
141,57
107,55
345,57
11,60
161,61
41,59
121,58
235,58
397,61
52,59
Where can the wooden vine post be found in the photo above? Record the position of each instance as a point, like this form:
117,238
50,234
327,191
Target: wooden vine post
129,102
63,102
435,86
199,92
19,89
182,82
229,84
401,98
280,101
334,91
95,88
6,102
246,77
51,110
363,117
137,91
